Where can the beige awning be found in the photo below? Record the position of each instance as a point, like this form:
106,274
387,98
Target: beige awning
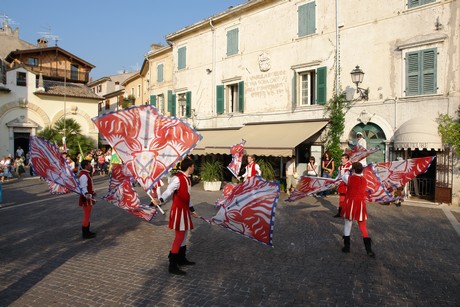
421,133
269,139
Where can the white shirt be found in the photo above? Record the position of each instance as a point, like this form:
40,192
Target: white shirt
290,168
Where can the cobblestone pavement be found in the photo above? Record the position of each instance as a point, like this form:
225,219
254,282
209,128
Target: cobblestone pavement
44,261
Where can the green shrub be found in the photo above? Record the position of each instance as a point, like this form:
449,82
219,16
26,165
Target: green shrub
212,171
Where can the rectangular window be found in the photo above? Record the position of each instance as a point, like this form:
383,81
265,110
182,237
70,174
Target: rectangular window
182,58
306,88
2,72
232,42
138,90
421,72
310,87
230,98
99,88
74,72
182,100
32,62
99,106
307,19
107,104
415,3
132,91
160,73
21,78
161,103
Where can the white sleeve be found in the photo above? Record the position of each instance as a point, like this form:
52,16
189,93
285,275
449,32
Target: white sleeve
258,171
172,187
84,184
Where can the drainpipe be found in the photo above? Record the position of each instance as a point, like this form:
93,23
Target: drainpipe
213,29
337,64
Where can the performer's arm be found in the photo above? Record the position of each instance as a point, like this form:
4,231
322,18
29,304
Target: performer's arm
258,170
172,186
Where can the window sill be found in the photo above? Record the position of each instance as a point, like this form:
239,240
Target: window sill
420,97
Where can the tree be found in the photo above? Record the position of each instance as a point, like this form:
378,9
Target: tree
449,128
73,135
335,108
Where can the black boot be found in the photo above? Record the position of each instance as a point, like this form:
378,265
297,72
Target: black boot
86,234
173,267
367,244
182,259
338,212
346,244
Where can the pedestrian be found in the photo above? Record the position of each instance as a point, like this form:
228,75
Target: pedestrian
19,165
19,151
328,167
355,208
291,174
87,201
252,168
180,214
361,142
312,167
344,168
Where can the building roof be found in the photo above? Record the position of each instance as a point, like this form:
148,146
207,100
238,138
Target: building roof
9,40
57,88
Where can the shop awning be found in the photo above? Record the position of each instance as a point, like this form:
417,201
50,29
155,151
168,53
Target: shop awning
269,139
418,133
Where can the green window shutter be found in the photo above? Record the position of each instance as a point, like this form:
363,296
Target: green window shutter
428,72
232,42
241,96
182,58
220,108
321,82
311,17
153,100
413,73
413,3
160,73
171,103
188,104
294,90
307,19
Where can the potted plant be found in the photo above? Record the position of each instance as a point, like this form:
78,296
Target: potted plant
211,173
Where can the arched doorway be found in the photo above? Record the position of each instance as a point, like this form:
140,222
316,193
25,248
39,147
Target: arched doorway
375,138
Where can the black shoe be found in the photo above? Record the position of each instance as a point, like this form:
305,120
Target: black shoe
182,259
346,244
86,234
367,244
338,212
173,267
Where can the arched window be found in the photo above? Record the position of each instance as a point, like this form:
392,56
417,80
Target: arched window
375,138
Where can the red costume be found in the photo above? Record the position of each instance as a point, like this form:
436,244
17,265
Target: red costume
87,187
354,207
179,216
342,189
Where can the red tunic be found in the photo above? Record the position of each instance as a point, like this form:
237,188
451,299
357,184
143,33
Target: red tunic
343,168
83,201
179,216
355,200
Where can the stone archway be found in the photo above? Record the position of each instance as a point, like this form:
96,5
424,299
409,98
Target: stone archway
375,138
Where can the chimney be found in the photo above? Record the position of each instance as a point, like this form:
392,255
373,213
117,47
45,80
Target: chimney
117,86
42,42
40,88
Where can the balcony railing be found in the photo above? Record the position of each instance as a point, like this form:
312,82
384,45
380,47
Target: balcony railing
59,74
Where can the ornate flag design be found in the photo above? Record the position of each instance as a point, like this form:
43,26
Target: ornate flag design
122,195
56,188
228,188
311,185
47,162
250,209
359,152
237,152
148,143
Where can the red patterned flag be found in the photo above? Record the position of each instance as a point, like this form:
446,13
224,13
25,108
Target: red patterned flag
384,177
250,209
311,185
56,188
148,143
47,162
358,153
237,152
122,195
226,192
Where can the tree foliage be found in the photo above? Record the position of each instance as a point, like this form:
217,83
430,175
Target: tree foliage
449,129
335,109
73,135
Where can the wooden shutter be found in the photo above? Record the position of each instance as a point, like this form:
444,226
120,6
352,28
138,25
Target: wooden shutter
182,58
321,88
413,73
171,103
232,42
428,71
413,3
302,20
188,104
307,19
241,96
153,100
220,107
160,73
294,90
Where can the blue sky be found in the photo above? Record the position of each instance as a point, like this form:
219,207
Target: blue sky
114,36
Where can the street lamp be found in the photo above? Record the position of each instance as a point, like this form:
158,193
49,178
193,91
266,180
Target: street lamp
357,76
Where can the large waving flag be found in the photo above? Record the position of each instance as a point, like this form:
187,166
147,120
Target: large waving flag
122,195
237,152
359,152
226,192
311,185
148,143
47,162
249,209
